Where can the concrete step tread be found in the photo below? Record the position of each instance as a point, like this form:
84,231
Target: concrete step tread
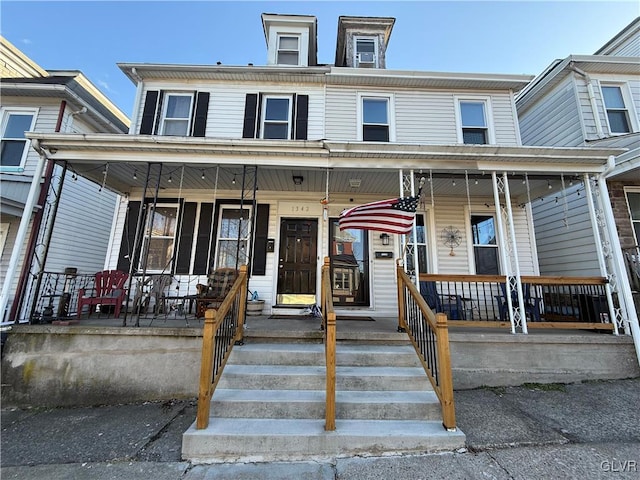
319,348
341,370
349,396
303,428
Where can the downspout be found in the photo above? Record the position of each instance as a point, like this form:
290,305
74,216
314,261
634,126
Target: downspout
624,289
35,229
22,230
592,98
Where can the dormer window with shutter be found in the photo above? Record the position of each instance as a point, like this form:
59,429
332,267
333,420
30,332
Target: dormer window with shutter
366,52
288,50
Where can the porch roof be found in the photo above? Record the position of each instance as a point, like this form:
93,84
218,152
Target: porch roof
88,153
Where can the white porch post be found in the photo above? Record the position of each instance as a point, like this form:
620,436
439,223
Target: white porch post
21,235
509,252
407,184
604,271
613,253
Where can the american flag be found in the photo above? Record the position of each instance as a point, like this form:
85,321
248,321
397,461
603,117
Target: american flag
395,215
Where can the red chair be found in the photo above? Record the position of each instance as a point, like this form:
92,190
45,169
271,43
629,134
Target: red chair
109,290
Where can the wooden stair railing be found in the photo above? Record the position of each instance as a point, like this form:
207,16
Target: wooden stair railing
329,328
222,329
429,335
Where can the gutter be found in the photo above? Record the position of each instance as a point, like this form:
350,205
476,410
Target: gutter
592,97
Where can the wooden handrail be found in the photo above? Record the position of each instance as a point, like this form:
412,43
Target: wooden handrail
422,327
227,325
329,326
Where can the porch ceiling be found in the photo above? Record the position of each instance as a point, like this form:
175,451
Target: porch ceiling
376,166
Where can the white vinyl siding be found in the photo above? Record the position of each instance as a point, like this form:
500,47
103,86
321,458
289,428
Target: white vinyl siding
568,251
556,121
225,118
84,214
419,116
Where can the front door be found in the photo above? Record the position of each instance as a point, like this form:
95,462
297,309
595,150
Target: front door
298,262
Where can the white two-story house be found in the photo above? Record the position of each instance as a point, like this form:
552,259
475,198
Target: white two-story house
50,218
255,163
591,101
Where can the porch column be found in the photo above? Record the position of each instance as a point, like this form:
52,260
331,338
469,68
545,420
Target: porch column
509,251
407,184
22,230
605,271
612,251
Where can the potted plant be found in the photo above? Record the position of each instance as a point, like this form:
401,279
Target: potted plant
254,305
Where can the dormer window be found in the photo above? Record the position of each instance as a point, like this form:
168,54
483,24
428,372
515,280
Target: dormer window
366,52
288,50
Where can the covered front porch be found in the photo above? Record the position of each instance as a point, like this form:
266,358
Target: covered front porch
190,206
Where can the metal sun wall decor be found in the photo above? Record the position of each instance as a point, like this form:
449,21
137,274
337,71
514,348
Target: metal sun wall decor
451,238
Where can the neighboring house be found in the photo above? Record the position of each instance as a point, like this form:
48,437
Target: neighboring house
592,101
254,164
38,100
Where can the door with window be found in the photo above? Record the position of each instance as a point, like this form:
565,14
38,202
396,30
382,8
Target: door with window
349,266
298,262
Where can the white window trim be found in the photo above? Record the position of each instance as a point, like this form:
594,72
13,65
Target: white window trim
374,38
224,207
628,103
302,33
488,111
472,245
165,105
263,112
5,112
390,113
628,190
167,268
4,233
278,49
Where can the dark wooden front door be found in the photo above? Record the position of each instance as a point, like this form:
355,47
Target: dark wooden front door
298,261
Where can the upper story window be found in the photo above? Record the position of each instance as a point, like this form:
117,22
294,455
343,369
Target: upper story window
288,50
276,123
176,117
365,52
13,151
485,245
473,122
617,112
376,119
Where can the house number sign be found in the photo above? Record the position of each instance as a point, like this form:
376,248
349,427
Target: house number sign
297,208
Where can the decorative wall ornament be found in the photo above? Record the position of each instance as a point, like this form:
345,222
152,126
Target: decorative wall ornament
451,238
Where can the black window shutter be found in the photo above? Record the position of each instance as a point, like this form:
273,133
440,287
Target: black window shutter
149,112
188,222
250,116
260,241
201,110
302,116
156,126
129,237
201,259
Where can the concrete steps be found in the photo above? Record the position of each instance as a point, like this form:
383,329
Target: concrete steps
270,403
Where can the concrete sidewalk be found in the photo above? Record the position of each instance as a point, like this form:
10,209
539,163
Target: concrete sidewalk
581,431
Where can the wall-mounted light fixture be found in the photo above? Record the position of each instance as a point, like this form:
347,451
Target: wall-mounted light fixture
298,179
384,238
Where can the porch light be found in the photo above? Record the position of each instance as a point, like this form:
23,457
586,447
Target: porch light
234,179
203,174
135,174
384,238
549,185
354,182
170,179
297,180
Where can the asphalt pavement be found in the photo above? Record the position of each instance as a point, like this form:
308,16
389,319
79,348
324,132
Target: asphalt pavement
587,430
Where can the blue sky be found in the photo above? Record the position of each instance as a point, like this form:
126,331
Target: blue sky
450,36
